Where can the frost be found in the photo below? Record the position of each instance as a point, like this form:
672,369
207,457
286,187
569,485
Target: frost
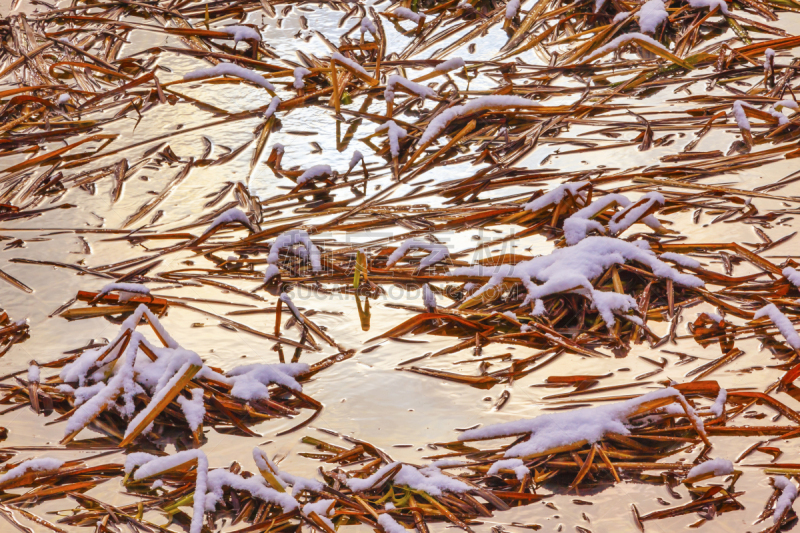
783,324
229,69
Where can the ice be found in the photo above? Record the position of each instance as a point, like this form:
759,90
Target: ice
229,69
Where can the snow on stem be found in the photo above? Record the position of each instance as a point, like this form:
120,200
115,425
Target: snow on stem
438,252
229,69
783,324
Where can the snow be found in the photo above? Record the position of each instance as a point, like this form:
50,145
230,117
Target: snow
279,148
769,60
791,104
651,15
711,4
161,395
598,5
512,7
356,159
787,497
126,290
250,381
62,99
622,15
718,409
792,275
623,39
33,374
368,26
740,116
510,315
229,69
438,252
240,33
538,308
323,509
290,304
193,409
450,64
624,219
314,172
429,298
680,259
208,485
577,226
429,479
299,74
349,62
395,133
40,464
556,195
420,90
574,267
713,316
516,465
289,239
784,324
404,12
389,524
495,101
272,107
718,467
231,215
568,427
